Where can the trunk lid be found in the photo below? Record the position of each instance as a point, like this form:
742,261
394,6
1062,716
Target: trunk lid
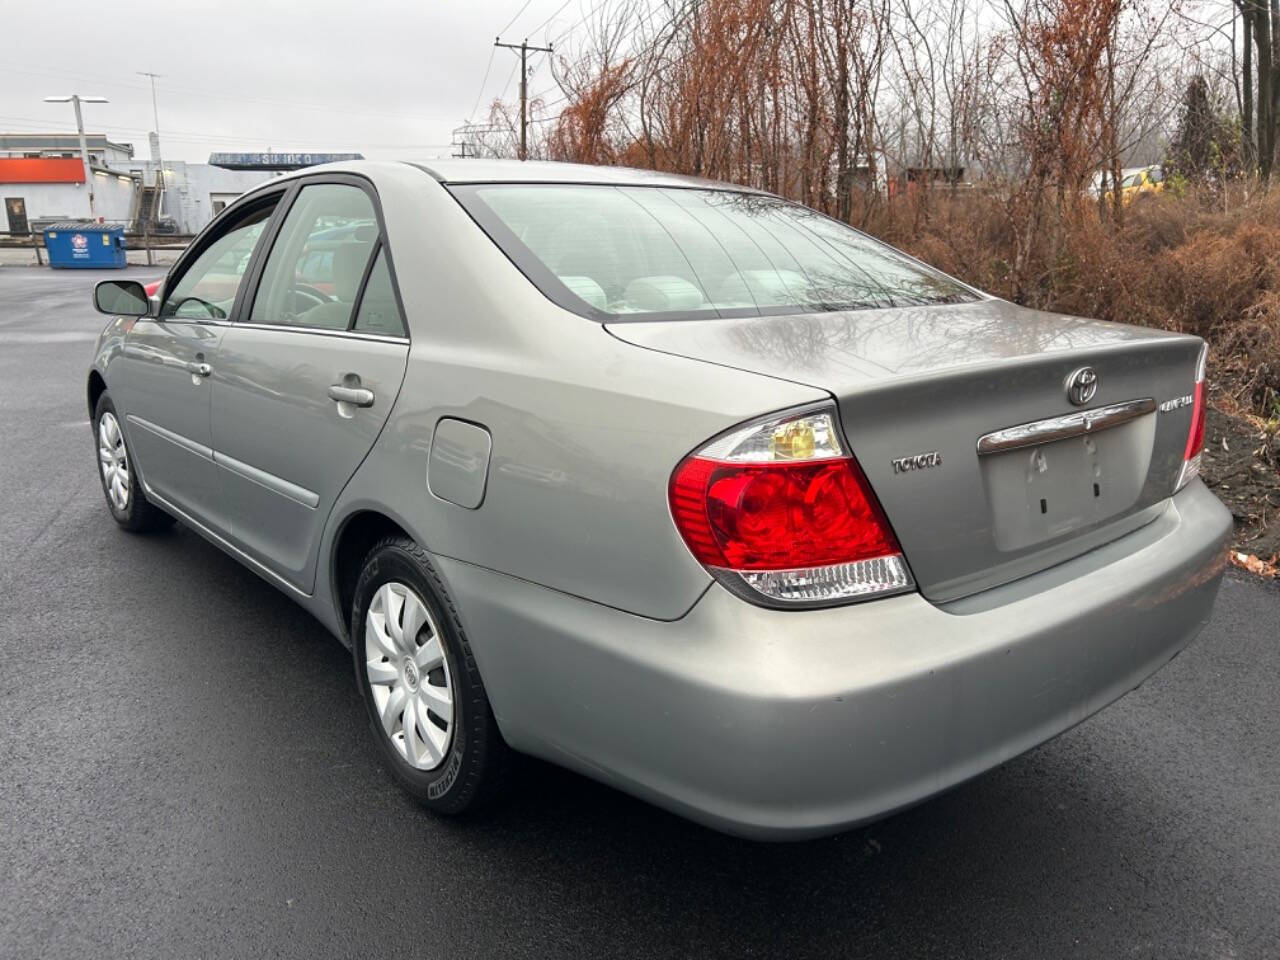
917,388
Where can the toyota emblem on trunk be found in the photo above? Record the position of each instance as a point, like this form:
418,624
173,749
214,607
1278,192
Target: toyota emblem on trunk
1082,385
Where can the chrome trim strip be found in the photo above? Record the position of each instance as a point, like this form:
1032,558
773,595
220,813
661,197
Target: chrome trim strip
222,542
321,331
190,321
1062,428
199,449
285,328
270,481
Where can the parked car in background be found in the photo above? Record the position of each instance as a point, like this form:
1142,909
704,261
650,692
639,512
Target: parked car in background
1142,182
674,483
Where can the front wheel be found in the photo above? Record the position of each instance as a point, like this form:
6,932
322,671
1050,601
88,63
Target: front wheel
126,500
427,706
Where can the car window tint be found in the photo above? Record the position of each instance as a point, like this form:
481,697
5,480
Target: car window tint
207,289
642,251
378,311
313,273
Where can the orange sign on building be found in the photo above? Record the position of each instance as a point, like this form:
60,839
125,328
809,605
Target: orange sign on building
41,170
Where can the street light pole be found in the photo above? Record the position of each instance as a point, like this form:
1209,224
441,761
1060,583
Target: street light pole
75,100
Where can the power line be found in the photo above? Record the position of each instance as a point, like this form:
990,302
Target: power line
552,17
492,50
485,79
235,97
522,9
581,20
186,136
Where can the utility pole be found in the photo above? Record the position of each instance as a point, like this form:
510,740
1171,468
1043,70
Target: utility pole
75,100
155,114
524,49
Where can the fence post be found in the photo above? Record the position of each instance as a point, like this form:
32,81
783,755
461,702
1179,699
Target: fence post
36,238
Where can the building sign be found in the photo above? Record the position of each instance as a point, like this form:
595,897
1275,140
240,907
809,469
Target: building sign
41,170
276,161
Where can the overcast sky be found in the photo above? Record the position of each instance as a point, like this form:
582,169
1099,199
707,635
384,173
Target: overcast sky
385,78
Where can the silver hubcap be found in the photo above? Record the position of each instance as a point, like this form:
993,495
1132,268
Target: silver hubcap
114,460
408,675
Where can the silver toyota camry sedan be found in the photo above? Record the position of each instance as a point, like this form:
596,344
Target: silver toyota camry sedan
672,482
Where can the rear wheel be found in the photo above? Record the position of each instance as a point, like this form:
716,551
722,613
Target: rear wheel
128,504
426,704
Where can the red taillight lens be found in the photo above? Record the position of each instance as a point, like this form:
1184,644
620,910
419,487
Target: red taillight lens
1195,436
778,516
1195,439
781,513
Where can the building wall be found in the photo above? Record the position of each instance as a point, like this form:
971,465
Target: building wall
193,189
113,199
102,152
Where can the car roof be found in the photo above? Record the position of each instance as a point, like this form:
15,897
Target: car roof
473,171
470,170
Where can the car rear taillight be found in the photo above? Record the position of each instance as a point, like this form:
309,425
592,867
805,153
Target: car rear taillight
779,507
1195,436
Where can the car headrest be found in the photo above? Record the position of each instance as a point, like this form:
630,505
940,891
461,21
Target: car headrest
587,289
655,294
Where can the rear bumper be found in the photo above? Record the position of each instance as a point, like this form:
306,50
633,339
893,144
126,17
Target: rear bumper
788,724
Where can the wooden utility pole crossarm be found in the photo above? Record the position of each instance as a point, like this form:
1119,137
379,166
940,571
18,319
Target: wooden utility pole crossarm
524,48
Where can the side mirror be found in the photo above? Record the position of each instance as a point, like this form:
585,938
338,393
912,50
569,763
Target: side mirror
121,297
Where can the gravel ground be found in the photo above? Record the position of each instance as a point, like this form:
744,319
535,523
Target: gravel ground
1242,466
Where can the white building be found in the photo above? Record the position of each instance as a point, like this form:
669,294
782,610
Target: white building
42,180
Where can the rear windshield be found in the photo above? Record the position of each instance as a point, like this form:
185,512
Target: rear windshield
648,253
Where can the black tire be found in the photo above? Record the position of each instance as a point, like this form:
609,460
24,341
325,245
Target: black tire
139,514
474,768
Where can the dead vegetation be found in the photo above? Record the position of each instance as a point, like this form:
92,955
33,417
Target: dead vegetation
1179,262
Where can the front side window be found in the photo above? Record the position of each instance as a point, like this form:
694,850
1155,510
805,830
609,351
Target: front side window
313,273
615,252
207,288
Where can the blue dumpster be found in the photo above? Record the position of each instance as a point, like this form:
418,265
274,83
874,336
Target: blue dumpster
95,245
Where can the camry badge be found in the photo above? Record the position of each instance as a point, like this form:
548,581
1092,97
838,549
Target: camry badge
1082,385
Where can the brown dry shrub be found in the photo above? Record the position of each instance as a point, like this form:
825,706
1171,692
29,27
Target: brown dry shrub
1179,262
1212,279
1158,224
1246,357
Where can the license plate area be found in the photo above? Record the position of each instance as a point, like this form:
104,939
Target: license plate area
1045,490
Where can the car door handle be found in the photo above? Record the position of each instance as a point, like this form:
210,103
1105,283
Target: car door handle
199,369
356,396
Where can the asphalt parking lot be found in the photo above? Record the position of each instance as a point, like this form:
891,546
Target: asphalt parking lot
185,771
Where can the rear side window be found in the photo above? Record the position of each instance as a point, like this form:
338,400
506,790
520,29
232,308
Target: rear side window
313,273
618,252
378,311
